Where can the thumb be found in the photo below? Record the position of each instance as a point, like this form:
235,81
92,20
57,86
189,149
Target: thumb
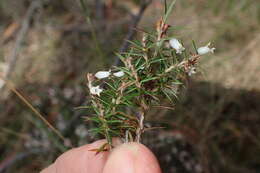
131,158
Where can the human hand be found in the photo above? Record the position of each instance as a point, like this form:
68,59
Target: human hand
125,158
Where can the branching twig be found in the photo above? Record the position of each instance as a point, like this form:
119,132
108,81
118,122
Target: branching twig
21,35
37,113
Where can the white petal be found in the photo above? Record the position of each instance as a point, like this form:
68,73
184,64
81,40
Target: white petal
96,90
175,44
204,50
102,74
119,74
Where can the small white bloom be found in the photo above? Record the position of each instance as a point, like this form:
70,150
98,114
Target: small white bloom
192,71
175,44
102,74
205,49
119,74
95,90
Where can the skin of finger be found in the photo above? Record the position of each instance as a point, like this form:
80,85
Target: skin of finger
49,169
80,160
132,158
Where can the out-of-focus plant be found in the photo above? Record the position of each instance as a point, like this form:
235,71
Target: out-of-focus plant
153,68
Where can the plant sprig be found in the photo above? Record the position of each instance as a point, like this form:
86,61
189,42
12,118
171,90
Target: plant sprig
154,68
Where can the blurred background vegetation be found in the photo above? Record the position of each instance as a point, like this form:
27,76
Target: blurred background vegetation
49,47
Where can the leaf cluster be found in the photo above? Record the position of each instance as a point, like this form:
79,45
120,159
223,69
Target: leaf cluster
152,71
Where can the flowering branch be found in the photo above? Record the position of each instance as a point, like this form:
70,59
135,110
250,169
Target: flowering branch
153,68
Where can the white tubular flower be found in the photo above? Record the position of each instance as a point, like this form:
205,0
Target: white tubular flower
192,71
119,74
175,44
95,90
102,74
204,50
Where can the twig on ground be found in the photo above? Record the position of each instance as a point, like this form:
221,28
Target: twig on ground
37,113
21,35
132,30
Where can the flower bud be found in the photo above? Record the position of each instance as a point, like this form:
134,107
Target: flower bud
119,74
175,44
204,50
95,90
102,74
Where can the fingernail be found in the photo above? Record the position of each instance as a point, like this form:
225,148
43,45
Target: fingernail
131,158
120,160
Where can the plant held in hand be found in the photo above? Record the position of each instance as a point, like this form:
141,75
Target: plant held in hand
153,69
